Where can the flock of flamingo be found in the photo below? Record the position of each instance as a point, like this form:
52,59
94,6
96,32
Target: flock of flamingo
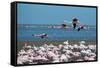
31,54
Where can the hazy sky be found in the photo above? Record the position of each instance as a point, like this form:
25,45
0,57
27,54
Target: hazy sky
48,14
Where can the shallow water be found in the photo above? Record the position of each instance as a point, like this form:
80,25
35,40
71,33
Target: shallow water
56,34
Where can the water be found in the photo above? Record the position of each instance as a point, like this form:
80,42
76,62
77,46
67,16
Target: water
56,34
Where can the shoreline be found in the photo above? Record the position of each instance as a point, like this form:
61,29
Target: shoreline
21,43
